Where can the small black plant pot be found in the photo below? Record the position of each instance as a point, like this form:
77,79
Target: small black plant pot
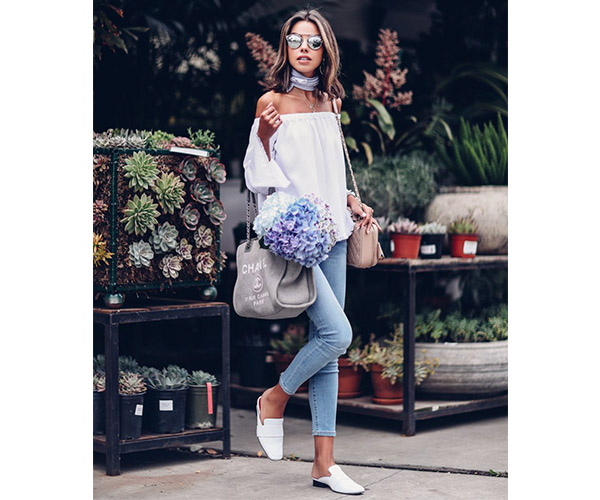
201,412
99,414
131,410
431,246
165,410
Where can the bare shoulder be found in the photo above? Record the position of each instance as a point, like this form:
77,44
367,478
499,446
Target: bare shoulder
264,101
338,101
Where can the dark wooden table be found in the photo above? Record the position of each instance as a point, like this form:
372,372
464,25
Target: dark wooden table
157,310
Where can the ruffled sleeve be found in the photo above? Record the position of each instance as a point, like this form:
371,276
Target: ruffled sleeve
261,173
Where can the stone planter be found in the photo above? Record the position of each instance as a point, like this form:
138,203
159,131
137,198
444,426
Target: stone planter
487,204
471,369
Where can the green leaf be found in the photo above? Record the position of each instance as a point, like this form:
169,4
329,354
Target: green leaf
368,152
345,118
384,119
351,143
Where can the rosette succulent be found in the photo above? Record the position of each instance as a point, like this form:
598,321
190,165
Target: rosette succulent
216,171
184,249
170,265
140,254
190,217
463,225
216,212
201,192
169,191
159,140
101,139
137,139
131,383
101,253
164,238
116,140
205,263
100,208
141,170
203,237
200,377
99,382
433,228
140,214
404,225
188,169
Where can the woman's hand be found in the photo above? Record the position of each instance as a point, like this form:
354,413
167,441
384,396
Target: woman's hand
269,122
364,211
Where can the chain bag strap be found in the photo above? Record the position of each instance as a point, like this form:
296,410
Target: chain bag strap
364,250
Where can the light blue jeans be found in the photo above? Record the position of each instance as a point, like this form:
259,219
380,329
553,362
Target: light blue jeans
330,335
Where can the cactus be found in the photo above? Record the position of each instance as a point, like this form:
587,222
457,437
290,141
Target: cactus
131,383
188,169
463,225
169,192
433,228
141,170
190,216
164,238
99,382
200,377
140,214
205,263
216,212
216,171
184,249
170,265
404,225
101,254
203,237
140,254
201,192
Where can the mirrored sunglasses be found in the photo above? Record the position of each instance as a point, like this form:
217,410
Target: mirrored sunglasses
294,41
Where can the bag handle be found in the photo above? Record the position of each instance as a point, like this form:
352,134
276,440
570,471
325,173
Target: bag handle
346,150
252,201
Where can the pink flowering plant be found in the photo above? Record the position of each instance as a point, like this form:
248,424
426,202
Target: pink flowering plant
297,229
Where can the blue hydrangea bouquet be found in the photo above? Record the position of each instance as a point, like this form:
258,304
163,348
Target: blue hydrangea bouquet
298,229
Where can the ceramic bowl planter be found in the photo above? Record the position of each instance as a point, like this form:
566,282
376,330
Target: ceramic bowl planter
131,411
384,392
349,379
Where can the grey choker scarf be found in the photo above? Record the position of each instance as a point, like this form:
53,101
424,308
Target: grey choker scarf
297,79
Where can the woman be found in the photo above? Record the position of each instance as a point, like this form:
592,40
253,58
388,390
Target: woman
295,147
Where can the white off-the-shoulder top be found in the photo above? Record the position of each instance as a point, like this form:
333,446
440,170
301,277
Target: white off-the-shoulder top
306,157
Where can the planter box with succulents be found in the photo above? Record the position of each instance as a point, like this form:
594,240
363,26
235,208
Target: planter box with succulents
157,214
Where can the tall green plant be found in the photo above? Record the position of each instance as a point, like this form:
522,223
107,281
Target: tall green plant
478,157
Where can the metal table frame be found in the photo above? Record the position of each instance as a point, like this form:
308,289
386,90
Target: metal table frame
409,268
159,310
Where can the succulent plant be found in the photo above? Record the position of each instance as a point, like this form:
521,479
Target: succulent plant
101,139
163,380
148,372
128,364
170,192
294,338
159,140
140,254
137,139
131,383
200,377
116,140
101,254
181,142
170,265
140,214
100,208
203,237
190,216
99,382
184,249
463,225
221,261
216,212
205,263
176,371
141,170
99,363
164,238
201,192
433,228
188,169
404,225
204,139
216,171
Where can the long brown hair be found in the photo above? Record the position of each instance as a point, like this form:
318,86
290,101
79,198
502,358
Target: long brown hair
278,77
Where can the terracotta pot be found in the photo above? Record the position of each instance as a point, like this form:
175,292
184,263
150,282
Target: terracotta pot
282,361
463,245
406,245
384,393
349,379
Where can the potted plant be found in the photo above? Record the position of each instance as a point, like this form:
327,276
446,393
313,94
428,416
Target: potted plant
463,234
284,349
473,352
432,240
350,373
406,238
99,414
386,364
132,389
166,400
202,399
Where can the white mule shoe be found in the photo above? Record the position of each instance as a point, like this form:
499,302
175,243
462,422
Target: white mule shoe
270,434
338,482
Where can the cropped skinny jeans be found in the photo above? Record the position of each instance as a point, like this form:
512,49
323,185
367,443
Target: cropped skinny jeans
330,335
